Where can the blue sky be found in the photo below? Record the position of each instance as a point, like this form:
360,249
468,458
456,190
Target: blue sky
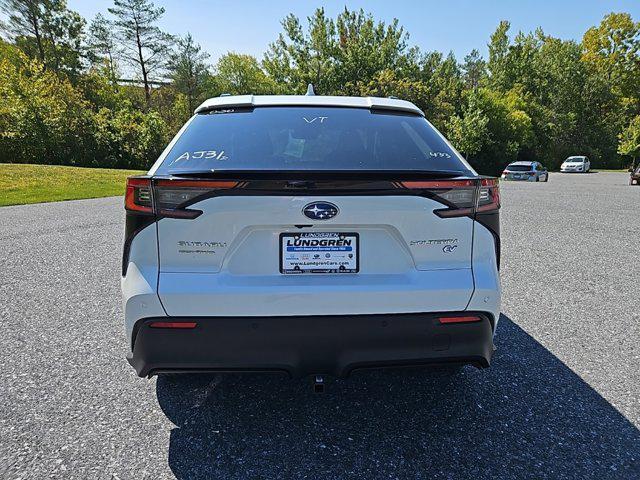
458,25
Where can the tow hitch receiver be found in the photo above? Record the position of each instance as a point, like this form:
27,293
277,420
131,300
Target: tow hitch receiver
318,384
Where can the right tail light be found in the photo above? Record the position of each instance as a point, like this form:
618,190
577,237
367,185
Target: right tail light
461,197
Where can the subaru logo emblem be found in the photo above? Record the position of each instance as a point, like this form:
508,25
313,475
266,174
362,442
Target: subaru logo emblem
320,210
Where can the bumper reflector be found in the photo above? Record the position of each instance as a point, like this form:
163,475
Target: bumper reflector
469,319
173,324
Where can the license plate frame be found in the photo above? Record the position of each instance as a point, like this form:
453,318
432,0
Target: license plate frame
338,260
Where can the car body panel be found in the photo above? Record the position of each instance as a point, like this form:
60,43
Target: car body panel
240,234
140,284
224,294
238,272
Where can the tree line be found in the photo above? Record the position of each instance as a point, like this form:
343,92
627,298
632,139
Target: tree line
113,91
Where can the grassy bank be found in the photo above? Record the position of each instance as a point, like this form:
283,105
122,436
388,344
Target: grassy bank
21,184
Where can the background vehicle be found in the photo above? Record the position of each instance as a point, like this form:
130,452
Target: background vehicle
579,164
529,171
311,235
634,177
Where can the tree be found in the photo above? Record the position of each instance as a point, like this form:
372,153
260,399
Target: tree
47,30
144,45
498,51
474,69
469,134
505,132
241,74
630,140
367,47
612,49
297,59
102,44
188,69
337,56
26,17
43,118
387,83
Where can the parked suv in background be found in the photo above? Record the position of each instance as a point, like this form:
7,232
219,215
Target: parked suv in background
529,171
309,235
634,177
576,164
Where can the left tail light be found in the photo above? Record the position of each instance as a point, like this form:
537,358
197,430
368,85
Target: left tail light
138,197
172,197
169,198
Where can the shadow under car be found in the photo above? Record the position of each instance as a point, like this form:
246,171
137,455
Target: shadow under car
528,416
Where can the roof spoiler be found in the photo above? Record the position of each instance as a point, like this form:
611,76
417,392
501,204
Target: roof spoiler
249,101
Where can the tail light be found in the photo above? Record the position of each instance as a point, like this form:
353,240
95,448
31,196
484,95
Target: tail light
462,197
488,195
146,200
138,197
169,198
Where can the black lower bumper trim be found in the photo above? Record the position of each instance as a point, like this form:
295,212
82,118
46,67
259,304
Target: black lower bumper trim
302,345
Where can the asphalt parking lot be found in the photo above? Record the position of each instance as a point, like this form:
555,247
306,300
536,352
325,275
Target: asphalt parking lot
561,400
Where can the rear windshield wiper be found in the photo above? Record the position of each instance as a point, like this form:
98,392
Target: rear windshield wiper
310,175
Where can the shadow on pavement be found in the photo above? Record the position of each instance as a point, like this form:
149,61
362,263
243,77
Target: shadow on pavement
528,416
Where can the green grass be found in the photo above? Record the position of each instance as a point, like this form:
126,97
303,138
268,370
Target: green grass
21,184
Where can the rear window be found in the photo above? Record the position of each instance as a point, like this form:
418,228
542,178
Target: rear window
309,138
519,168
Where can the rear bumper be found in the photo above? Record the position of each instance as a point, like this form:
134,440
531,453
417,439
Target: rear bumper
522,178
302,345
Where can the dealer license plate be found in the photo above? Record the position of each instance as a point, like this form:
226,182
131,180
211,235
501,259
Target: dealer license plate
319,252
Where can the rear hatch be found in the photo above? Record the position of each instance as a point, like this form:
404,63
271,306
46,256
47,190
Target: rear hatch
311,210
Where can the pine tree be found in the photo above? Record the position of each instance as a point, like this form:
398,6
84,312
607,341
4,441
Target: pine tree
144,45
46,30
188,69
102,44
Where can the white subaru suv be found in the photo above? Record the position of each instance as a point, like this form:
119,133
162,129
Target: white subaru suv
309,235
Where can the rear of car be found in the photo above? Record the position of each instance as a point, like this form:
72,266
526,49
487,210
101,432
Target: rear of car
309,235
525,171
575,164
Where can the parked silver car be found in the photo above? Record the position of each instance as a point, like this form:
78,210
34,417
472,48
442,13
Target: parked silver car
528,171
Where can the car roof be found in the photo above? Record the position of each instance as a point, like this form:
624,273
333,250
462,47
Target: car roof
308,100
522,162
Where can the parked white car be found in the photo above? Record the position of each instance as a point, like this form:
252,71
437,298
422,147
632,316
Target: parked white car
309,235
579,164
